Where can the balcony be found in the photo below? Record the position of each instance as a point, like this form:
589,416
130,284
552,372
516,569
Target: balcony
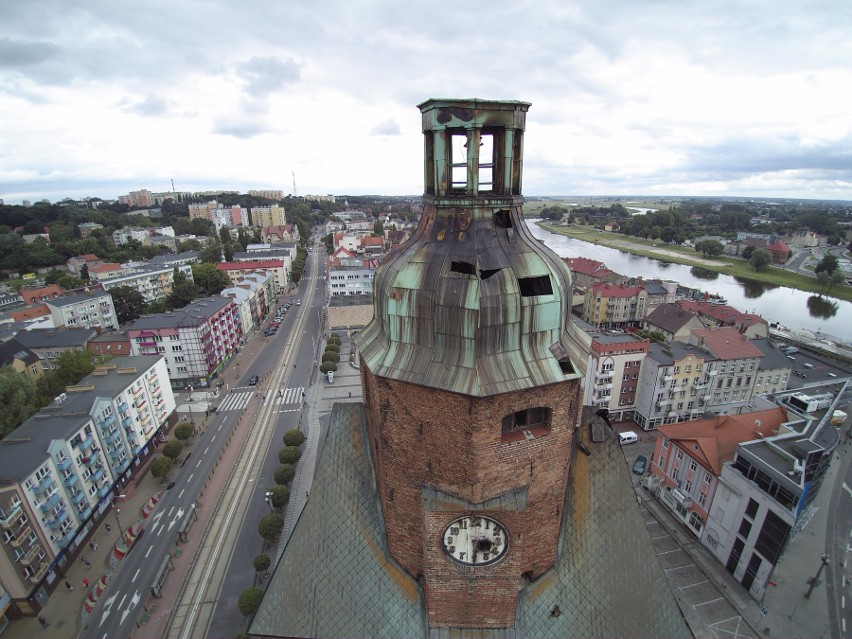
70,480
31,556
140,403
138,392
112,436
56,522
97,475
12,518
63,464
21,536
43,485
87,443
62,542
50,503
40,573
103,490
91,460
122,405
127,422
107,421
84,512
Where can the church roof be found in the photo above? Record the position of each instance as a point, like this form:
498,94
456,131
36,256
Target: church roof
335,578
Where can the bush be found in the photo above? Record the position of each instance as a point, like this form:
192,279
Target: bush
334,339
294,437
332,347
249,601
183,431
330,356
284,474
328,365
289,454
172,448
280,496
160,467
262,563
270,526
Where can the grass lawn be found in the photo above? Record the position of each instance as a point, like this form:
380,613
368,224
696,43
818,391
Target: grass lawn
690,257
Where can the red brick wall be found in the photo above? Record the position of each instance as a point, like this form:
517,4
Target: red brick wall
426,437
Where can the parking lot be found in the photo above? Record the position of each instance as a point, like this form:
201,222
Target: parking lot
695,578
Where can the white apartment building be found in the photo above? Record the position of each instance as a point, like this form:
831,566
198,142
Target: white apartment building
153,282
64,466
94,309
350,280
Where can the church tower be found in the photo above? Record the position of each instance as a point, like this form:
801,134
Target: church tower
470,397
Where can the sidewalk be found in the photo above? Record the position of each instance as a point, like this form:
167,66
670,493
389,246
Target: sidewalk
787,612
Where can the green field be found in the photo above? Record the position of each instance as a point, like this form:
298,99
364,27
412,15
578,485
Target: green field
722,264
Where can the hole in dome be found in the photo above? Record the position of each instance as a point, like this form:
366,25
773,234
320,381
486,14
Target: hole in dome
463,267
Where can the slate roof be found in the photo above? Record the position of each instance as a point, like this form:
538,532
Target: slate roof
615,290
335,579
56,338
76,299
669,317
193,315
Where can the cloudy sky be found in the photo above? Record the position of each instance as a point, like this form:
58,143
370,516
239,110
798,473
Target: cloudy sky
657,97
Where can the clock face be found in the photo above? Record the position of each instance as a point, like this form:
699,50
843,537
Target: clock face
474,540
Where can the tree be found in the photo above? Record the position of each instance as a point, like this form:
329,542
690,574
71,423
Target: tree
249,601
183,431
270,526
747,251
19,398
710,248
279,497
824,280
182,294
160,467
262,563
129,303
838,277
760,259
379,228
828,263
172,448
294,437
211,253
289,454
327,366
71,367
331,356
284,474
209,279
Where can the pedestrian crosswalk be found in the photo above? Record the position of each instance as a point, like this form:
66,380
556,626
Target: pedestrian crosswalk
284,396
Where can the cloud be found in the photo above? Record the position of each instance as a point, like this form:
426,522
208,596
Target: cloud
388,127
265,75
16,54
240,126
150,106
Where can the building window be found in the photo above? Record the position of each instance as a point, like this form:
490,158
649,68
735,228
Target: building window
526,419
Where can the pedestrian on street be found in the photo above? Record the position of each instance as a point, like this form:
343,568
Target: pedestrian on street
108,528
85,582
86,561
68,586
43,622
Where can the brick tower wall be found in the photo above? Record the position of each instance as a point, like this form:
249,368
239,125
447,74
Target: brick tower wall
423,437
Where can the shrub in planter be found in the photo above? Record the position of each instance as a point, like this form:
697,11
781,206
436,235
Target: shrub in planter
280,496
249,601
332,347
330,356
328,365
172,448
262,563
284,474
294,437
289,454
270,526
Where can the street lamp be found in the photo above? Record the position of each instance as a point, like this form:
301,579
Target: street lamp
115,511
813,581
269,500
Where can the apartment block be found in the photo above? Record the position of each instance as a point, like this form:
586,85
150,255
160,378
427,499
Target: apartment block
273,215
350,280
237,270
64,466
197,340
93,309
614,306
153,282
254,296
612,374
48,344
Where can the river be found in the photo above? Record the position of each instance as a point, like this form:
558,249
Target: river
794,309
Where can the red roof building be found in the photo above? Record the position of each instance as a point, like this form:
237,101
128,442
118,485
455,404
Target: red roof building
750,325
236,270
587,272
688,459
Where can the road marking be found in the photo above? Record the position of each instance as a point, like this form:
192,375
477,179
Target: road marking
843,601
133,601
136,574
199,463
213,438
206,449
847,489
187,481
108,608
181,493
704,603
170,511
150,548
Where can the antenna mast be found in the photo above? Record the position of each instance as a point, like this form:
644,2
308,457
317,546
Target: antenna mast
295,194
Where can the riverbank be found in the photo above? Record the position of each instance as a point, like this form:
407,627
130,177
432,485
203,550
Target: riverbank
689,257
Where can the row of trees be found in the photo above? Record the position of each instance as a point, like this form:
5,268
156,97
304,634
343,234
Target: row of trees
271,525
331,355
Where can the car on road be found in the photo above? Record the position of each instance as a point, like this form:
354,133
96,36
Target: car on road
254,380
640,465
298,302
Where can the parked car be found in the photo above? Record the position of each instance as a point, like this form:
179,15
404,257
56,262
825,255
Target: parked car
254,380
298,302
640,465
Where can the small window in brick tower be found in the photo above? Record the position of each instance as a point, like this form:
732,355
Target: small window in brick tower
486,162
530,418
458,161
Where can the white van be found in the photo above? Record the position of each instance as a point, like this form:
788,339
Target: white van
627,437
